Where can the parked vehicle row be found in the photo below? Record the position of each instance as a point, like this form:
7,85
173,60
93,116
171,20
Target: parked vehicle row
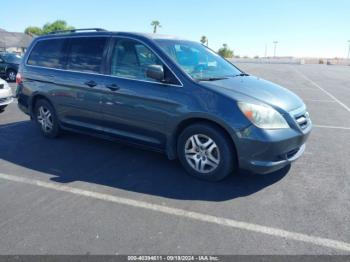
9,63
6,96
164,93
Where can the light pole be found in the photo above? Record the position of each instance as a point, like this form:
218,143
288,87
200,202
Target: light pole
265,50
274,49
349,50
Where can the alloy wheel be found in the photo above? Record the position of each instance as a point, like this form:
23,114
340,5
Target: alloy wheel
44,118
202,153
12,76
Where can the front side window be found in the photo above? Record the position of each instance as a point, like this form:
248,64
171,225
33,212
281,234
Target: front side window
145,56
196,60
86,54
131,58
48,53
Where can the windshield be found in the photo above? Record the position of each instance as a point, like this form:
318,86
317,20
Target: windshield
198,61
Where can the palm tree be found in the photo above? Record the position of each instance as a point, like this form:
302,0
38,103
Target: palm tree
155,25
204,40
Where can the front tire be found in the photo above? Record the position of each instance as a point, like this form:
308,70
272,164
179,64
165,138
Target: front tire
11,75
206,152
46,119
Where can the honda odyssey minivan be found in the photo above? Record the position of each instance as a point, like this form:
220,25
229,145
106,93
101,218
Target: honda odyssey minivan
163,93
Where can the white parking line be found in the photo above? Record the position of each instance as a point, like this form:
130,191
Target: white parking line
326,92
324,242
332,127
319,100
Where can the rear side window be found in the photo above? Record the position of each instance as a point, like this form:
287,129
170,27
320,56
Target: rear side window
86,54
48,53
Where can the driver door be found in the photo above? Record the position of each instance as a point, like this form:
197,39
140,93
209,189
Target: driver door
135,106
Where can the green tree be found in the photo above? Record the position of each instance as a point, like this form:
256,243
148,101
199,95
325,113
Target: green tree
33,30
57,25
204,40
155,25
225,51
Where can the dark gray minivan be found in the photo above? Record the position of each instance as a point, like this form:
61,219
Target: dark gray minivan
163,93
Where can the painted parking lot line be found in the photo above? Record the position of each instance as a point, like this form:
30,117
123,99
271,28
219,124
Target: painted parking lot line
332,127
319,100
323,90
324,242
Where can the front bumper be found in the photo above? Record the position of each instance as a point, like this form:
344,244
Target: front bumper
265,151
263,167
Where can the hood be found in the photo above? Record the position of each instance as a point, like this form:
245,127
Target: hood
258,89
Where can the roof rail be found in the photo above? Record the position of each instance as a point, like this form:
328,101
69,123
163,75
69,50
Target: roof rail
78,30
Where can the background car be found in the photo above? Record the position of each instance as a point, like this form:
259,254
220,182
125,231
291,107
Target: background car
5,95
9,65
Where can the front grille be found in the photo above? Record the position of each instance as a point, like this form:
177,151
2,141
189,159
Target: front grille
303,120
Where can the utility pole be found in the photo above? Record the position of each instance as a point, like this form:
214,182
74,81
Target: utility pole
274,49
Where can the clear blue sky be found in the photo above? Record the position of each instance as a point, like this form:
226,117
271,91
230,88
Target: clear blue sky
302,27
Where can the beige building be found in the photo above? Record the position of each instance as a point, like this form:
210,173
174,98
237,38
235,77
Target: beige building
14,42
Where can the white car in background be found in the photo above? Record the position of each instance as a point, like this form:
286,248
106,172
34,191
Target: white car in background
6,96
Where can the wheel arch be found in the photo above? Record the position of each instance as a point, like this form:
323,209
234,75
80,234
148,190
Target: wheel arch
10,68
171,147
36,97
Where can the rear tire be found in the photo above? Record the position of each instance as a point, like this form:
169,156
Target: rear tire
206,152
46,119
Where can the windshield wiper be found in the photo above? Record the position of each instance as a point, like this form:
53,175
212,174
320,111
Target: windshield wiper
242,74
211,79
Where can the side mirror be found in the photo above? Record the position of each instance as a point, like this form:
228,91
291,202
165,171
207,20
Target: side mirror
155,72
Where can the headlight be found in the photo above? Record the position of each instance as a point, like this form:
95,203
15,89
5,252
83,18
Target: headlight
263,116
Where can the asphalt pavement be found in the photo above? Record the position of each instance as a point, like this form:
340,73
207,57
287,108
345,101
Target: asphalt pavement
82,195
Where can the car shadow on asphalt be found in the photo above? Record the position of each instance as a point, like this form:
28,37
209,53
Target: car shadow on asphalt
74,157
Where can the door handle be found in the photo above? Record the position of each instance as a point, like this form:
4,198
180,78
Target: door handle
113,87
91,83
